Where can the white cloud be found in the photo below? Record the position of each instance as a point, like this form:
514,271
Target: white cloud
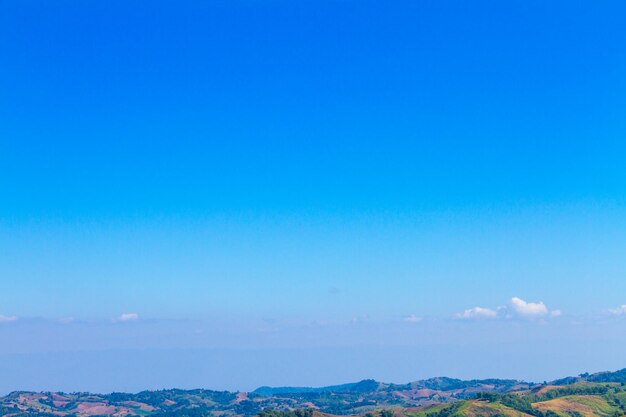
66,320
621,310
527,309
7,319
412,319
359,319
478,313
126,317
516,308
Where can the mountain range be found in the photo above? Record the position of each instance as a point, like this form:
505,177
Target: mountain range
587,395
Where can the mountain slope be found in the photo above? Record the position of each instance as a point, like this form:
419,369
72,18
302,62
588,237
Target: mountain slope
574,405
435,397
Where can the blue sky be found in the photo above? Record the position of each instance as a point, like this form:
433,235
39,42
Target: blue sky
313,175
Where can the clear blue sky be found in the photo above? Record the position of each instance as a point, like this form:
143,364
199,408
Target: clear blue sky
240,174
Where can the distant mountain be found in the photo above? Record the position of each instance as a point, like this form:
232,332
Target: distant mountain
366,385
370,385
588,395
617,377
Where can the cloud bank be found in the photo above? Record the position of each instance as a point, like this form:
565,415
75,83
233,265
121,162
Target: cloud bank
7,319
516,308
126,317
619,311
477,313
413,319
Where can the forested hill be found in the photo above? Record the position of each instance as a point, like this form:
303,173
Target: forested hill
587,395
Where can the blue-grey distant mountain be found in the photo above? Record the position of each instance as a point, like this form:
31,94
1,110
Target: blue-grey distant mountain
366,385
370,385
615,377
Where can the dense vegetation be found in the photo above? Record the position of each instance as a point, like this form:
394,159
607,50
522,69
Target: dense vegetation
597,395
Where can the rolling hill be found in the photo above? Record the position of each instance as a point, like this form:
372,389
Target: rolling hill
588,395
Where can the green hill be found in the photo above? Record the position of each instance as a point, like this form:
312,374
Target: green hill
596,395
